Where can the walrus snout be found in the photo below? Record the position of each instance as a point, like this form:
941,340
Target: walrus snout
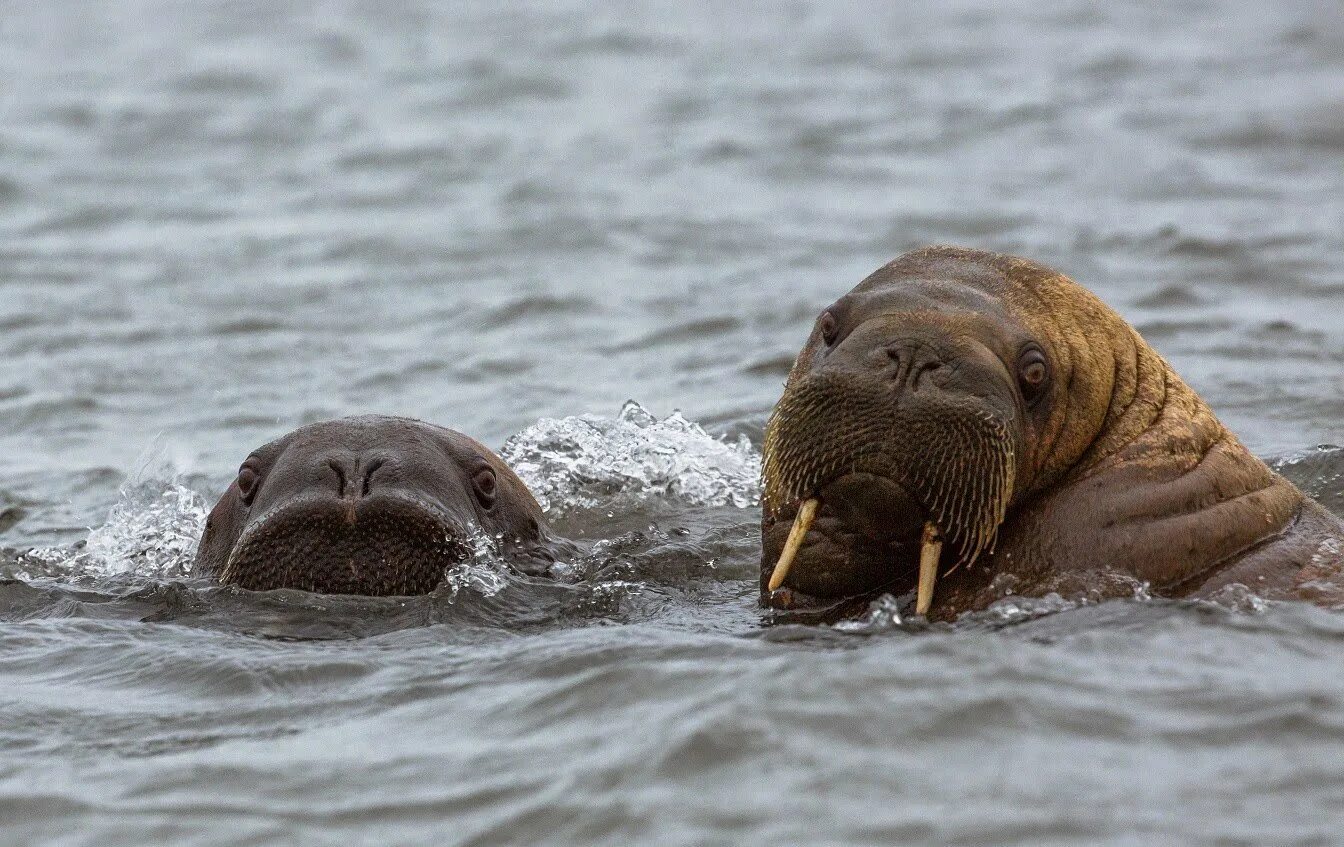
375,544
900,428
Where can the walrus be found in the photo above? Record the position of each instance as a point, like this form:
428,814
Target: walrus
968,425
369,505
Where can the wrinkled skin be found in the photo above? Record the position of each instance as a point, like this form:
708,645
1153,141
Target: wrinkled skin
369,505
1051,446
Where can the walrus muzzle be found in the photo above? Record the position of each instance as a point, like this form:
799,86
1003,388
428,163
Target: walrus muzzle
881,477
383,545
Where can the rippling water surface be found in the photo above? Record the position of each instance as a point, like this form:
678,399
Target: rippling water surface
219,222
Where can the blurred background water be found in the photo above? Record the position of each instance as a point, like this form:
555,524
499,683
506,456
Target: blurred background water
220,221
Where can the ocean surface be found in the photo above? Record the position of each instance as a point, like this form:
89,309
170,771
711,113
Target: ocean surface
221,221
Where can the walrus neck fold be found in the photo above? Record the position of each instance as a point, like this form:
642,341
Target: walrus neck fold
1162,470
1142,388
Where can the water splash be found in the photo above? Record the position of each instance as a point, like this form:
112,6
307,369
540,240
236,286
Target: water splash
590,460
1239,598
1017,609
152,530
483,572
883,614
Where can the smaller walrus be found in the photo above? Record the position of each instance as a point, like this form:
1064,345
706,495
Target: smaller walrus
970,425
369,505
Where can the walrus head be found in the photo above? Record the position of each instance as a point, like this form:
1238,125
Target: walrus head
368,505
939,406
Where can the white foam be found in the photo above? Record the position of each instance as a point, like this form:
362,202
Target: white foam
152,530
883,614
1237,597
483,572
1018,609
589,460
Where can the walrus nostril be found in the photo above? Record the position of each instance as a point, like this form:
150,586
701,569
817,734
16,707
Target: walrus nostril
895,363
907,363
922,370
369,471
354,476
340,476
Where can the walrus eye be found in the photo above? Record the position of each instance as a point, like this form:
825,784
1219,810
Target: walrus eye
247,483
1032,373
484,484
829,327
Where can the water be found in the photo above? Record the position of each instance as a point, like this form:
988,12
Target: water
217,224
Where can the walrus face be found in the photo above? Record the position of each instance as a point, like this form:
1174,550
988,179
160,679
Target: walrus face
903,426
372,505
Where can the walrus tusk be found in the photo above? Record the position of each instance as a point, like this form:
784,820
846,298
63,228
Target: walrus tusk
930,549
801,525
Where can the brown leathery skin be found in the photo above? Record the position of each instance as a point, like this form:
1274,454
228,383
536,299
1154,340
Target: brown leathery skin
369,505
1120,472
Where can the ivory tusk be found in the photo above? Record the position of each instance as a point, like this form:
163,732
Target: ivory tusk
801,525
929,550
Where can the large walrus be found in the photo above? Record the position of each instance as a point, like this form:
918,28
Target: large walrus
369,505
971,425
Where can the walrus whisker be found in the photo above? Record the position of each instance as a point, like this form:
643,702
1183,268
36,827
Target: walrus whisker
931,548
801,524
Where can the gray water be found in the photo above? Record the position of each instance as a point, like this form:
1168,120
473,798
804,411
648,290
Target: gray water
218,222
